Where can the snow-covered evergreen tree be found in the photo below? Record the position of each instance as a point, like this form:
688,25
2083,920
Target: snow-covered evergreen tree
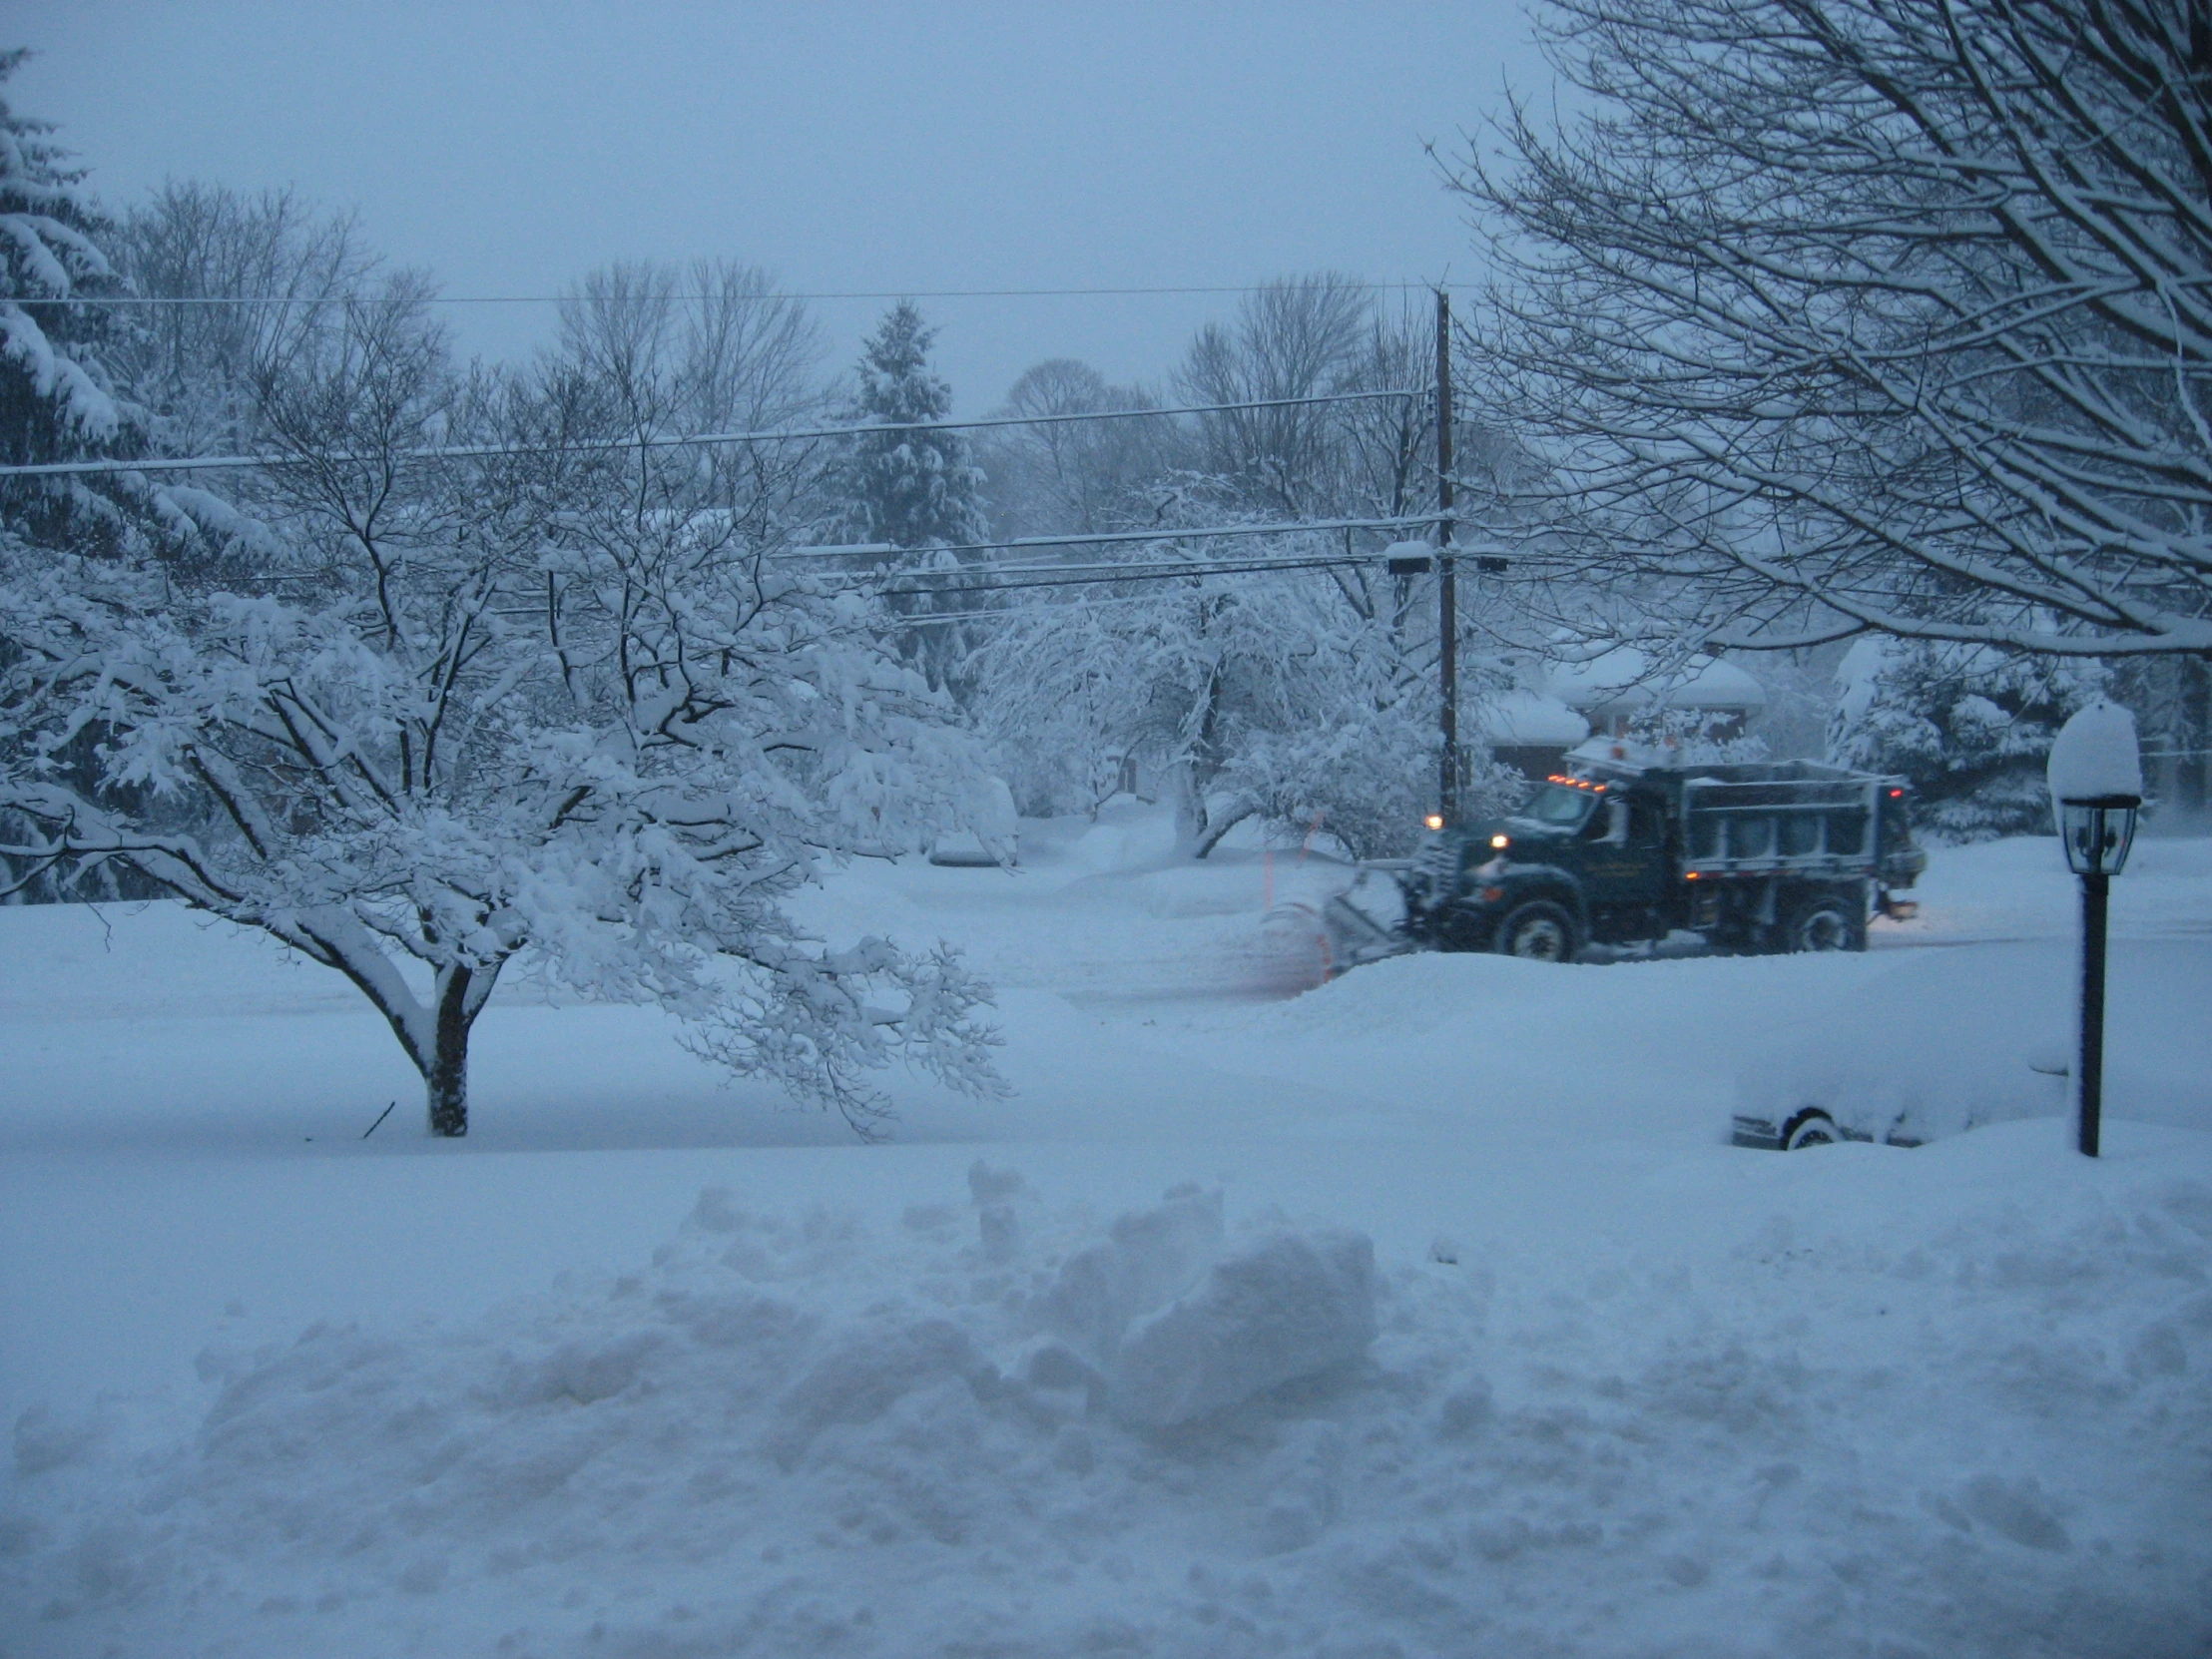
1970,726
913,489
60,404
56,402
903,487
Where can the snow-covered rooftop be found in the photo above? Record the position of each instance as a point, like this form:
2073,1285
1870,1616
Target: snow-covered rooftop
1627,675
1528,717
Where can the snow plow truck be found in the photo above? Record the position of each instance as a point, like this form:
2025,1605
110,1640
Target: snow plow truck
1628,845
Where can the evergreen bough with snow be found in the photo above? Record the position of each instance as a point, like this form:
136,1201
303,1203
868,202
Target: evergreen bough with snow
1970,726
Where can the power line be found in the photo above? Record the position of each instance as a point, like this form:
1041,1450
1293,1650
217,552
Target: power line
1151,571
936,619
1102,573
1103,537
486,452
688,299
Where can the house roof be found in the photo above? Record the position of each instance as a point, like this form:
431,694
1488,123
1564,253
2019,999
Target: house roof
1529,718
1624,677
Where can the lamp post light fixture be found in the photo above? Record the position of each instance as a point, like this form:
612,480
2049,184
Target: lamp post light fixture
2098,833
2097,788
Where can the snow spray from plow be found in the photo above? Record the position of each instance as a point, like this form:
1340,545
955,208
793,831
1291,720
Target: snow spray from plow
1309,942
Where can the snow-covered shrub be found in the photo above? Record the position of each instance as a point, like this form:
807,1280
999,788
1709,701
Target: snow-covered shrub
1970,726
1261,694
1367,778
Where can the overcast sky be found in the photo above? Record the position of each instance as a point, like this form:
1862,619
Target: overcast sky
847,147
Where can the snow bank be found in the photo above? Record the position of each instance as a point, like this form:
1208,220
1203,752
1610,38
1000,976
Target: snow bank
813,1431
1171,1329
1289,1307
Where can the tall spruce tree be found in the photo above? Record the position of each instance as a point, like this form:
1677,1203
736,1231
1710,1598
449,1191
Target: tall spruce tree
57,402
911,488
914,488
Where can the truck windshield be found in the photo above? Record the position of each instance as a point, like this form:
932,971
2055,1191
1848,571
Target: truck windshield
1561,807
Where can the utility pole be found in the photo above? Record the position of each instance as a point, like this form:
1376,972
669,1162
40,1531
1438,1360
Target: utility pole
1447,582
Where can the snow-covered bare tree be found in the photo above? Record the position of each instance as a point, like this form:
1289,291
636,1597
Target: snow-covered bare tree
240,278
1060,476
1257,692
562,701
1873,314
1283,694
1296,337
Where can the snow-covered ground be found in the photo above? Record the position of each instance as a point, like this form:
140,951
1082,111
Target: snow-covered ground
650,1365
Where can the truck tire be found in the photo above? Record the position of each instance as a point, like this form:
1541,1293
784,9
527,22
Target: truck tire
1538,931
1824,921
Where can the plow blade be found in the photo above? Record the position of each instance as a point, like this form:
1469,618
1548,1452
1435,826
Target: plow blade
1309,944
1356,935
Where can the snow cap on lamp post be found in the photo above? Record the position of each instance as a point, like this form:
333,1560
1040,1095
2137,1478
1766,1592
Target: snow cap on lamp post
2096,784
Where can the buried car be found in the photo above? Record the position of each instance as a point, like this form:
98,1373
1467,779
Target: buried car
1940,1043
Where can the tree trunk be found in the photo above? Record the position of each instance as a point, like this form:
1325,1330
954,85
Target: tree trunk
1190,805
446,1079
1217,828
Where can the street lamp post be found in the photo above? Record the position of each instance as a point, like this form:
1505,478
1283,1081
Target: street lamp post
2096,788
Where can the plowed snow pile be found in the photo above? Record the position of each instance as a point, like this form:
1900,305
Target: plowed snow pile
990,1426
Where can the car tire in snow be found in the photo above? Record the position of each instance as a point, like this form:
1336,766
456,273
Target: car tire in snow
1811,1129
1539,931
1825,921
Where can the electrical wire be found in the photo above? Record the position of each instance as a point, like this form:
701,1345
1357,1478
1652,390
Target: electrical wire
1103,537
1129,573
486,451
937,619
961,580
151,301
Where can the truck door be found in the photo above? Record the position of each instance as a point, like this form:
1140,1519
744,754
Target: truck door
1629,866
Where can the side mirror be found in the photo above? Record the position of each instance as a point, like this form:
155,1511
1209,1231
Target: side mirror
1616,823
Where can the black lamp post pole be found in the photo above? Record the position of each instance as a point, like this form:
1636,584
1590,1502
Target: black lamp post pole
1447,582
2089,1071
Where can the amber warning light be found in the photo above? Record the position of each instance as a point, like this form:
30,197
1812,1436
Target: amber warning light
1435,820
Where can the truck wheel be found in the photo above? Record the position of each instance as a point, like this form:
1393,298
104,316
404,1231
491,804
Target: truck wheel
1811,1129
1826,924
1539,931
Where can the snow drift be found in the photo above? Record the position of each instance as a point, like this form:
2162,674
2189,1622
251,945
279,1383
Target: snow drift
822,1432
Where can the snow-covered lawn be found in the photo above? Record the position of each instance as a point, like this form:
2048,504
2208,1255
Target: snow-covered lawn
650,1365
